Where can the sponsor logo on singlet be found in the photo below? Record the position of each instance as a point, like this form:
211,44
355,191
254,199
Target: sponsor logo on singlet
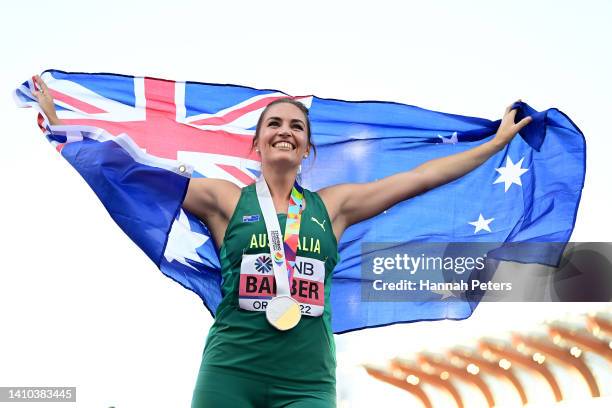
257,285
319,223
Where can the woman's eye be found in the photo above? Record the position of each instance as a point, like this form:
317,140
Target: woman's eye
298,127
273,123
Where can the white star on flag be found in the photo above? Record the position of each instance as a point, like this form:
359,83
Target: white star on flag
481,224
183,242
510,174
451,140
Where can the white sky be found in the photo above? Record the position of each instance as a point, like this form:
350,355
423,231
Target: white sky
80,305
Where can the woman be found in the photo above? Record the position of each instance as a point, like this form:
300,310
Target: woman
259,352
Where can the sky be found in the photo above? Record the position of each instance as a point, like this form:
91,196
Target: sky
82,306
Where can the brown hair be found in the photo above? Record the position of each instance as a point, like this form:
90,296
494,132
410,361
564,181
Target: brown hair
295,103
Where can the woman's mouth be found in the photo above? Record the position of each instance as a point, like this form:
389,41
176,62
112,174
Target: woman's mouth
286,146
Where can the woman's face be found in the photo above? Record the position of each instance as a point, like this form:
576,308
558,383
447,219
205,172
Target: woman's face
283,136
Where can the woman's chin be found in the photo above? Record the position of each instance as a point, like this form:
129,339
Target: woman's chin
282,159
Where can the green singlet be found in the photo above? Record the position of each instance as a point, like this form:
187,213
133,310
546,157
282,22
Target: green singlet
247,362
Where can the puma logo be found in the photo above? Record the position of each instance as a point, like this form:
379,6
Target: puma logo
322,225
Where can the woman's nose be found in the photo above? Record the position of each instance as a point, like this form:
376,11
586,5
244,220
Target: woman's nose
283,130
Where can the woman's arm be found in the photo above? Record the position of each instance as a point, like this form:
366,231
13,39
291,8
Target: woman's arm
213,201
348,204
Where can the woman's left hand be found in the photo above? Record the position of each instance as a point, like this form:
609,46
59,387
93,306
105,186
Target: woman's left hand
508,129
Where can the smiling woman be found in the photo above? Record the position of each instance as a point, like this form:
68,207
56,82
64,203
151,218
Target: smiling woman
301,122
260,365
271,344
297,366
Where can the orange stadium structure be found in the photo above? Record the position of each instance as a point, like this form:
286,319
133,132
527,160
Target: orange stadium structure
567,364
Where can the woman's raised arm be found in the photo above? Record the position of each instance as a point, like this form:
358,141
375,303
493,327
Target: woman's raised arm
347,204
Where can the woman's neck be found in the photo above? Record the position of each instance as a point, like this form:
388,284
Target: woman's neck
280,185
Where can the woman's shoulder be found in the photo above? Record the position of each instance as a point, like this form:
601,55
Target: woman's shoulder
315,200
325,195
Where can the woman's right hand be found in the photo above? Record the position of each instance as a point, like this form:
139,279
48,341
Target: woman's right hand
45,100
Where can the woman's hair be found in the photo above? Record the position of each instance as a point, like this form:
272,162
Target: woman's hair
295,103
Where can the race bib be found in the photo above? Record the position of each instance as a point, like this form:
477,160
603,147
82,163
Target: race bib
257,285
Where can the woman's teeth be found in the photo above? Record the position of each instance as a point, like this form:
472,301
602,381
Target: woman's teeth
283,146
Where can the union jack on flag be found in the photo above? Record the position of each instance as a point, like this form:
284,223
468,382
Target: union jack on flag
137,141
167,119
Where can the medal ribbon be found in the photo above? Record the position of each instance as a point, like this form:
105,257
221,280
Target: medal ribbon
283,255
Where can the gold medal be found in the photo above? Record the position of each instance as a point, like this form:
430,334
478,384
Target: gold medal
283,312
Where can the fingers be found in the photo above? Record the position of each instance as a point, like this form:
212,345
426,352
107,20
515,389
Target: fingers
43,84
512,115
509,108
36,92
41,90
37,82
40,84
524,122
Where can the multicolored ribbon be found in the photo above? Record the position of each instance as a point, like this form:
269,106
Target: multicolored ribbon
292,227
286,253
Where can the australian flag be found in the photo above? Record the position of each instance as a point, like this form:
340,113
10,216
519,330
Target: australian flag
136,141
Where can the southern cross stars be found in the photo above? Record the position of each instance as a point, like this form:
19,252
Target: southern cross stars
183,242
510,174
481,224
